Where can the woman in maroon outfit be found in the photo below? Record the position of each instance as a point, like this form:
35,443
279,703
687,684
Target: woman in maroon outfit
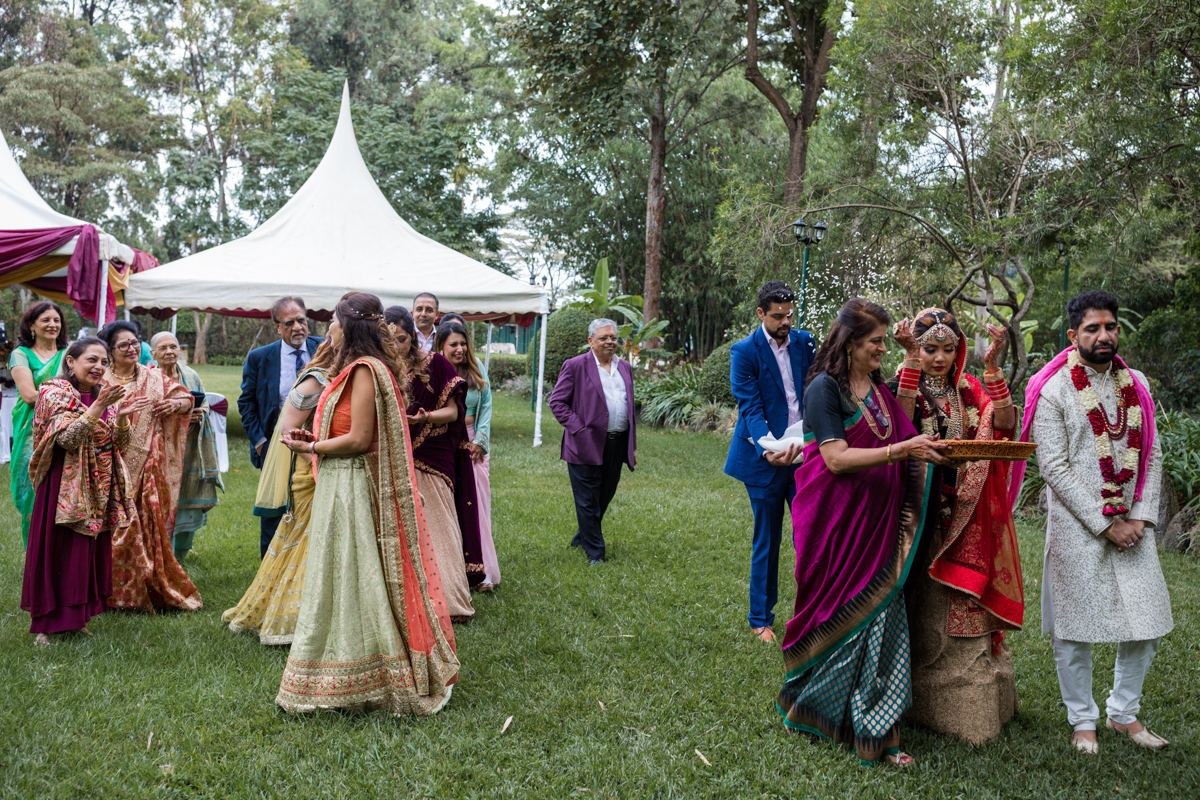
80,492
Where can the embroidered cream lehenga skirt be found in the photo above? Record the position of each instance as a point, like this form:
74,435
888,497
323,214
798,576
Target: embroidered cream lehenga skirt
350,651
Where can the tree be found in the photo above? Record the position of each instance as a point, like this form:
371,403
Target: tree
84,137
608,65
797,37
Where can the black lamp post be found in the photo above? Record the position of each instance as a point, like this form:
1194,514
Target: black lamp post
1064,249
808,235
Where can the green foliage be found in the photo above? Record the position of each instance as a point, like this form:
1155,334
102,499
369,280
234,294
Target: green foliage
598,303
714,377
670,400
1180,436
1168,344
503,367
566,337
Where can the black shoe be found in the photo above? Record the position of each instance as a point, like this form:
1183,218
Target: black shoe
593,562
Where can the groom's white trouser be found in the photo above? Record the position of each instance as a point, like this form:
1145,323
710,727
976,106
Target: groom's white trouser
1074,660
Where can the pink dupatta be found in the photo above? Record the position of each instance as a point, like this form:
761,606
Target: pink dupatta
1033,392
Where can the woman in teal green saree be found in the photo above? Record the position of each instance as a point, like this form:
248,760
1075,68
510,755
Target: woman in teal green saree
41,342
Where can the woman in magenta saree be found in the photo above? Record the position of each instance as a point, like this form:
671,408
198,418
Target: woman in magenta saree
860,500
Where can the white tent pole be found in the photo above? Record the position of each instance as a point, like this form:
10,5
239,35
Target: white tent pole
101,307
174,319
541,371
487,349
127,313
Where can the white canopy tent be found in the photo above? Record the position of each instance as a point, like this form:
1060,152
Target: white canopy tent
23,209
337,234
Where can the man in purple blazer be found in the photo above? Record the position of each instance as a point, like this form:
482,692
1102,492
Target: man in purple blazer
593,400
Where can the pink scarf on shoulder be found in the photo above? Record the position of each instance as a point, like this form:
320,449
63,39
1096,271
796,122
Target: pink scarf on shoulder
1033,391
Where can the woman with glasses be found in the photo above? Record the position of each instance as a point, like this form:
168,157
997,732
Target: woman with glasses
146,574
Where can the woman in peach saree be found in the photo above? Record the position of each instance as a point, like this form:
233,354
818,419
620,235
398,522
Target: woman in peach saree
373,631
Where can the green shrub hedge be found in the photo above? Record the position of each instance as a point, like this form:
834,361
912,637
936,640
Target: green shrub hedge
503,368
714,377
565,335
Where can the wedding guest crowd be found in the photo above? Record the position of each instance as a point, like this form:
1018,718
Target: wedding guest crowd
375,504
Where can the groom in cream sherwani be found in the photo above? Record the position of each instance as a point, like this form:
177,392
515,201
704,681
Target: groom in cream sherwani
1101,581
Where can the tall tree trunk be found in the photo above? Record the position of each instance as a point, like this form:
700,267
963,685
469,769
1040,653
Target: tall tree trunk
201,354
797,164
656,212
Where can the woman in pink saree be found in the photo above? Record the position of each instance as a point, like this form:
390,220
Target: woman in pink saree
860,500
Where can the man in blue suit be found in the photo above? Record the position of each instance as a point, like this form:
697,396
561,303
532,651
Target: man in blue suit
267,378
767,373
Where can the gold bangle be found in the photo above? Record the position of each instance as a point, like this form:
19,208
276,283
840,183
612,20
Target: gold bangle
889,453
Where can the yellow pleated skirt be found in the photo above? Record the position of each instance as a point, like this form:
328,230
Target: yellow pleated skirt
271,605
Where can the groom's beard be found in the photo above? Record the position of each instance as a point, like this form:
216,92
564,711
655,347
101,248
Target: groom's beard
1098,355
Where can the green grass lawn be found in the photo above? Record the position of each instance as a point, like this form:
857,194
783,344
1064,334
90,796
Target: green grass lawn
614,676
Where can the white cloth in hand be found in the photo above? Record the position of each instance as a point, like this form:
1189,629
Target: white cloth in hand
793,435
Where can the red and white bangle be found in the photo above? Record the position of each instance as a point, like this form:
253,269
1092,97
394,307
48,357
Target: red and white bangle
997,389
910,378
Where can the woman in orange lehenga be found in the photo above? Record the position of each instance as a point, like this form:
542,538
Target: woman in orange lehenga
967,591
146,575
373,631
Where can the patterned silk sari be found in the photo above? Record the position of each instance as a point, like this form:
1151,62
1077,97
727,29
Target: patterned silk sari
22,443
373,631
201,473
846,650
146,574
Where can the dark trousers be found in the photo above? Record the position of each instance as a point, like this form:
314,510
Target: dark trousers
768,503
267,528
594,487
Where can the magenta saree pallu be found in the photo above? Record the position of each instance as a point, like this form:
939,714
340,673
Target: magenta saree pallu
846,649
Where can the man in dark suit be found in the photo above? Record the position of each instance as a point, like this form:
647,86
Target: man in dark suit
267,378
767,373
593,399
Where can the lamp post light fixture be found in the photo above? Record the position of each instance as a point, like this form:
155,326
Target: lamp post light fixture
807,235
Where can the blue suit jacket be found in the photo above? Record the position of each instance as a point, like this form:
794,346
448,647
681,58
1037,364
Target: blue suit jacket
757,384
259,402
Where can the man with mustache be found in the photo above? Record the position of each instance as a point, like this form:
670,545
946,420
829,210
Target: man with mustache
267,377
767,373
1093,419
593,399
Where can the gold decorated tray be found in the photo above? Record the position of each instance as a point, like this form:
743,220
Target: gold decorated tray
972,450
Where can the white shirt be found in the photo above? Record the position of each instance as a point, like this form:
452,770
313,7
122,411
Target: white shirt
287,368
426,342
783,359
614,395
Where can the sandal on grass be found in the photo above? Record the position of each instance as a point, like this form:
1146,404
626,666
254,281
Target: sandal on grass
900,759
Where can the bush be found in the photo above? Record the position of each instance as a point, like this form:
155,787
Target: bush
1180,435
503,368
671,399
714,377
566,334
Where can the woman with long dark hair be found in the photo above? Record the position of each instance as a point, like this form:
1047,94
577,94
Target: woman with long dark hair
81,425
453,342
373,632
966,590
271,605
860,499
41,342
146,574
445,477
